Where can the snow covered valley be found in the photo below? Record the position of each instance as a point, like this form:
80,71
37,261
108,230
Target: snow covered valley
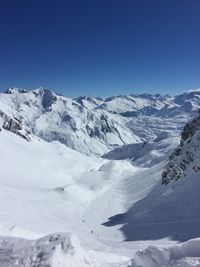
64,205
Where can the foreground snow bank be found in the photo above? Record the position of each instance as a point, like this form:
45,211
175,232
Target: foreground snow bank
63,250
182,255
56,250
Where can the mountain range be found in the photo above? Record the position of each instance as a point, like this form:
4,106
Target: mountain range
93,125
100,182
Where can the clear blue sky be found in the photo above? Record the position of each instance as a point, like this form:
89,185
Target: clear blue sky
100,47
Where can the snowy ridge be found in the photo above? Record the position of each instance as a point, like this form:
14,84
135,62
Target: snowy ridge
61,208
171,207
52,117
145,154
95,125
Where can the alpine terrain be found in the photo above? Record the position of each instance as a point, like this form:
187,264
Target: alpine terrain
93,181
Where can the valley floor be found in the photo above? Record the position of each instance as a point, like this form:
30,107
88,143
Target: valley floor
61,208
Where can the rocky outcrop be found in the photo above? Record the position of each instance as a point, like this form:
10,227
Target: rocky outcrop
48,98
186,157
103,127
190,128
15,125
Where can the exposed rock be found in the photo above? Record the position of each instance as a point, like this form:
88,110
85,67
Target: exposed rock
15,125
101,129
186,156
69,121
48,98
190,129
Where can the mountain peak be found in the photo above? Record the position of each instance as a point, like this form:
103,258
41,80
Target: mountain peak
15,90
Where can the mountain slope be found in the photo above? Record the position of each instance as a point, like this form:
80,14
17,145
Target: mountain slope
171,207
52,117
145,154
96,125
48,189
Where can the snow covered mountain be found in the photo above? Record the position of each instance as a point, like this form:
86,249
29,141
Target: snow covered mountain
171,206
54,214
61,208
52,117
94,125
145,154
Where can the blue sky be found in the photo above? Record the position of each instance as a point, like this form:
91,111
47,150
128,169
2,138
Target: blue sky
100,47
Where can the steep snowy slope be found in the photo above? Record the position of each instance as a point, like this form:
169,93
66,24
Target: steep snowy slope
48,190
37,179
146,154
60,207
95,125
52,117
171,208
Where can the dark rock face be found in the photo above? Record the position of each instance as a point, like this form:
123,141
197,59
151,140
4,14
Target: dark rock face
190,129
14,125
185,157
48,98
101,129
66,118
129,114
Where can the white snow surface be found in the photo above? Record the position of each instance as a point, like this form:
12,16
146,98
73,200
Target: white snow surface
146,154
48,190
94,125
62,208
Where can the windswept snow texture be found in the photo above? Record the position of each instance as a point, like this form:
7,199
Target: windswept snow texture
55,250
63,250
61,208
183,255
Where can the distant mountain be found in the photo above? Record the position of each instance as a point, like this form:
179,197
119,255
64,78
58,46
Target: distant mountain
47,189
145,154
94,125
